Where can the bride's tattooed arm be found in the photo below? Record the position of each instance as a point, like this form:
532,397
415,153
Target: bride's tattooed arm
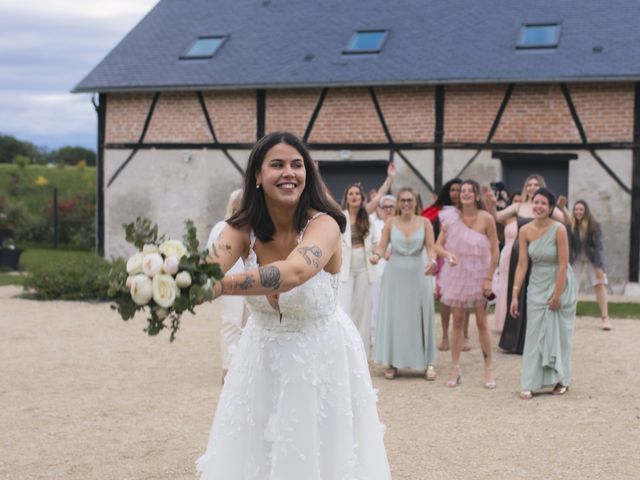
311,254
319,246
270,276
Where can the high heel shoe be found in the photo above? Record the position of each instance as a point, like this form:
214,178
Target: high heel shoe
559,389
390,373
489,384
452,383
430,373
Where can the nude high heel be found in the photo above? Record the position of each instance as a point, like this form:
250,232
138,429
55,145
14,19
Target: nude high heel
452,383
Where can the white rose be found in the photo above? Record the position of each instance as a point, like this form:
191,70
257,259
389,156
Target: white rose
141,289
173,248
183,279
134,264
129,281
164,290
171,265
149,248
152,264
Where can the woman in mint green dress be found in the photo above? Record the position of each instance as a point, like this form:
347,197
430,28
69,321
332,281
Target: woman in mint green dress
405,327
551,301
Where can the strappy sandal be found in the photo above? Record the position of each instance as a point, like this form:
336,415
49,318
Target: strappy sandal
559,389
391,373
489,384
526,395
430,373
458,380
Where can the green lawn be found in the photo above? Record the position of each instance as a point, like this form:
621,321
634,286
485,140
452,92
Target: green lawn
6,279
44,256
40,256
616,310
70,182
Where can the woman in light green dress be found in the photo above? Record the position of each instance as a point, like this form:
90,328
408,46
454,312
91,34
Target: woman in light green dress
551,301
405,327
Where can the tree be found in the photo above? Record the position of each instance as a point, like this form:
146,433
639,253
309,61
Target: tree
72,155
11,147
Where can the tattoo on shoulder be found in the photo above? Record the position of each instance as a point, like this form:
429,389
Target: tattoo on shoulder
246,283
311,255
269,276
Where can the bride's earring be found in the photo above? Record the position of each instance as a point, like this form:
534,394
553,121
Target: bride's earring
257,185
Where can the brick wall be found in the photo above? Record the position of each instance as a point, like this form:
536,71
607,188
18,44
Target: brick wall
535,113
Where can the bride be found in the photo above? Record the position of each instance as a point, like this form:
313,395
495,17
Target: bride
298,400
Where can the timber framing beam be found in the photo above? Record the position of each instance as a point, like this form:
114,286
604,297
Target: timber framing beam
438,137
494,127
101,110
314,115
585,140
137,146
634,243
387,146
205,112
393,147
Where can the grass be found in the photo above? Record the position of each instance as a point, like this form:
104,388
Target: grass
6,279
616,310
45,256
41,256
70,182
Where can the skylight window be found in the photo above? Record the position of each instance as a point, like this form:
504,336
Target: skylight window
366,41
204,47
539,36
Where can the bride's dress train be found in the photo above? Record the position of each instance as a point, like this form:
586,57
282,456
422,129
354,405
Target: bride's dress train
298,402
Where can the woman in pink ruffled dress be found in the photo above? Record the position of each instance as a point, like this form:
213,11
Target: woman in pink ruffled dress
469,242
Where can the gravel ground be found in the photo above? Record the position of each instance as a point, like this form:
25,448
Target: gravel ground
86,396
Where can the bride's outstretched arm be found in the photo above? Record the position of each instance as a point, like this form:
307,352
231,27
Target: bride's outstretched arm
230,245
321,242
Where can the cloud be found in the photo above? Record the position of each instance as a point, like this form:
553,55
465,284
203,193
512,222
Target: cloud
46,49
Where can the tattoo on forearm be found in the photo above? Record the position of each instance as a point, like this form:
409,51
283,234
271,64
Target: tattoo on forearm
246,283
269,277
311,255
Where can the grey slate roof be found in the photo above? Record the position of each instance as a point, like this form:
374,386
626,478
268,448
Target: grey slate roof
430,41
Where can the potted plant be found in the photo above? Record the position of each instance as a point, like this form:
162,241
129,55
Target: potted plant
9,254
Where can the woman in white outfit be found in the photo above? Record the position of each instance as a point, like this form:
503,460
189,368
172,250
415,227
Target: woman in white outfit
357,275
232,309
298,402
385,210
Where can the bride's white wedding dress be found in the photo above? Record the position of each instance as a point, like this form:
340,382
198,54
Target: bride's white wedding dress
298,403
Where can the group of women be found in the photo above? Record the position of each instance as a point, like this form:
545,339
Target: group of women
298,394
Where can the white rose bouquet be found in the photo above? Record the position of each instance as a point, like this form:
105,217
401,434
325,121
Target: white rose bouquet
165,276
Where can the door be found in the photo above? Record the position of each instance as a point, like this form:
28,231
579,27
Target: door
337,175
554,168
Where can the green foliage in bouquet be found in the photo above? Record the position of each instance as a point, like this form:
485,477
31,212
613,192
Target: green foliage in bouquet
167,276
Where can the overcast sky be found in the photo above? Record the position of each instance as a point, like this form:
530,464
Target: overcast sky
46,48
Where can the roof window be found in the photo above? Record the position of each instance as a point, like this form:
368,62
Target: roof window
203,47
366,41
539,36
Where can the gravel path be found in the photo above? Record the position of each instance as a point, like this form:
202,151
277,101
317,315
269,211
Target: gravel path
86,396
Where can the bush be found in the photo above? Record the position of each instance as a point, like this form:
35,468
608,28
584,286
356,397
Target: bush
21,161
76,279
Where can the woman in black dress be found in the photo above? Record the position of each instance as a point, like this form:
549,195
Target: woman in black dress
512,338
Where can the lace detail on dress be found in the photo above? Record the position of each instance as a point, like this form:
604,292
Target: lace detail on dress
298,399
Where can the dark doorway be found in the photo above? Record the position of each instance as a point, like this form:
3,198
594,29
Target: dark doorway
554,167
337,175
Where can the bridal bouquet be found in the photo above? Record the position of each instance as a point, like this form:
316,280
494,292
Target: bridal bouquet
165,276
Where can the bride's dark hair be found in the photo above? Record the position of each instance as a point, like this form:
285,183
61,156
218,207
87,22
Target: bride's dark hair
253,211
